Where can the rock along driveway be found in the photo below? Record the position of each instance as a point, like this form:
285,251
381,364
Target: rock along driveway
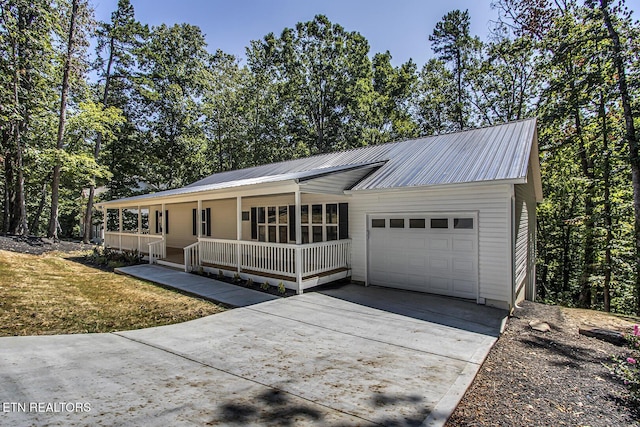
346,356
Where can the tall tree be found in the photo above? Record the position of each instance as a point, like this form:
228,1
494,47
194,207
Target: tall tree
72,64
26,32
452,41
171,80
631,136
326,74
116,45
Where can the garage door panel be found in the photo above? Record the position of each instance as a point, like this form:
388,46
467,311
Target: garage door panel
439,264
436,260
463,244
463,266
416,242
464,288
439,284
439,243
419,262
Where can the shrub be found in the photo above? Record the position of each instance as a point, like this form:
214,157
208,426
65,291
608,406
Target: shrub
628,369
281,288
111,258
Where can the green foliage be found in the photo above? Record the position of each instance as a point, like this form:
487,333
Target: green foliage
265,286
627,369
112,258
281,288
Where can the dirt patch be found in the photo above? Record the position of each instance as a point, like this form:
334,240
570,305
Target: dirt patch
39,245
549,378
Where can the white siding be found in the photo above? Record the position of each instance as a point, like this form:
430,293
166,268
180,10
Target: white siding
525,223
491,201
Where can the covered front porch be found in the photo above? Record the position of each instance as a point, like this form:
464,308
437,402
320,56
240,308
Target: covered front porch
277,236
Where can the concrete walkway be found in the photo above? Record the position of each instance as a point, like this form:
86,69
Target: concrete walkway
329,358
211,289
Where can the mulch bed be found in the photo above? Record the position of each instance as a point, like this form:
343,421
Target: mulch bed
38,245
555,378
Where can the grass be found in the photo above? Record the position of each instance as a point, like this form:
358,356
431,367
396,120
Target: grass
50,294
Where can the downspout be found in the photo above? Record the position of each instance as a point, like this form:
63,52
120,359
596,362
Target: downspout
512,251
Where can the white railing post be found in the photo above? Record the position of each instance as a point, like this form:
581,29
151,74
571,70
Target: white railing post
298,255
238,230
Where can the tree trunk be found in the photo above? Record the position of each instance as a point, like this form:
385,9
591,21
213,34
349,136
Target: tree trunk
606,181
35,222
55,180
88,214
630,136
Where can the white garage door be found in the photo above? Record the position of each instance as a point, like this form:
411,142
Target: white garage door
435,253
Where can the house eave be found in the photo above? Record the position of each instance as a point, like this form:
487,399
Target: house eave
439,186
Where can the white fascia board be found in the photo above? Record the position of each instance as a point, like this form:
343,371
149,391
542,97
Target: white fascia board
265,189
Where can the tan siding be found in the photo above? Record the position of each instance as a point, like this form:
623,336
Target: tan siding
180,225
490,201
223,218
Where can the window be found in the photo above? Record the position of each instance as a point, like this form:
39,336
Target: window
396,223
316,214
331,213
332,232
378,223
317,233
318,223
282,215
463,223
439,222
271,213
272,224
417,223
245,215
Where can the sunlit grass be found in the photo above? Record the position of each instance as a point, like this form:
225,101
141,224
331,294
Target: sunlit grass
51,294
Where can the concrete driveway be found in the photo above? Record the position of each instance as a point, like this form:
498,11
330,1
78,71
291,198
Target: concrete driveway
344,356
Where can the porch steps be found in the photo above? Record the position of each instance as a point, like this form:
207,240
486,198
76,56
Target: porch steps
210,289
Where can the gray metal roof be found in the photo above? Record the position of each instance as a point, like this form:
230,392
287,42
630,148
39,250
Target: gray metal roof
491,153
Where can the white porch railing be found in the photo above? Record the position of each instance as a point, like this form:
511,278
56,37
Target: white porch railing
192,257
276,258
157,250
130,241
325,256
272,258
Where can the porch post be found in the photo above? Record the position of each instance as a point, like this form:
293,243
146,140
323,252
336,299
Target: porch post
238,232
120,228
298,240
139,226
104,227
163,223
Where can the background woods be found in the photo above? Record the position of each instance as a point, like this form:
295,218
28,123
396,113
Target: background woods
92,110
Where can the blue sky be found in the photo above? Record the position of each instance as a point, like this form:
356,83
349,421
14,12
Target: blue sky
399,26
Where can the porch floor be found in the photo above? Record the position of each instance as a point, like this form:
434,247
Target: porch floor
174,255
194,284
